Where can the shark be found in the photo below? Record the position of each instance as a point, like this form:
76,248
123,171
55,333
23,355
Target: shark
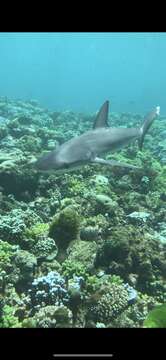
101,139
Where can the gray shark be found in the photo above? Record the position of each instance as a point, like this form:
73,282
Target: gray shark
86,148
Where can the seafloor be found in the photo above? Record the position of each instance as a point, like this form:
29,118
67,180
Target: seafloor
85,248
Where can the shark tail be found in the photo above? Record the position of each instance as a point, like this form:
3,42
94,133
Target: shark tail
148,120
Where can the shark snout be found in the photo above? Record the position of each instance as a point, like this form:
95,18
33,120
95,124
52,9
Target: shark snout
46,162
50,161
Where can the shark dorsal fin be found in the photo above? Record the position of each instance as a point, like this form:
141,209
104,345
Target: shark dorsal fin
101,119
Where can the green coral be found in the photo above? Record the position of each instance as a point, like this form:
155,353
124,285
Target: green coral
8,319
95,283
29,323
7,267
156,318
159,183
34,234
65,227
134,315
14,224
36,230
45,248
70,268
76,186
100,184
6,254
153,200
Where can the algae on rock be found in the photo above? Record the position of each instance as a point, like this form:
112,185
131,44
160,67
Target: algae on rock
65,227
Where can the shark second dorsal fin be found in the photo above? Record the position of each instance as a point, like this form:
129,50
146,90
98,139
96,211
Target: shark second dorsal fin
101,119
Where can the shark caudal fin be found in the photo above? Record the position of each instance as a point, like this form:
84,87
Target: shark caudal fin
148,120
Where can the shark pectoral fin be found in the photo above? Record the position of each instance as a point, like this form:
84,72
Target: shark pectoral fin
114,163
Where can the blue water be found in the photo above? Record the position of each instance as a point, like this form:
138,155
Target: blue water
78,71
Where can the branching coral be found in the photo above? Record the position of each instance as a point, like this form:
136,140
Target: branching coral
48,290
110,304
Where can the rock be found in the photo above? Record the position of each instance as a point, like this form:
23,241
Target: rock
65,227
83,252
90,233
139,216
26,262
105,203
99,180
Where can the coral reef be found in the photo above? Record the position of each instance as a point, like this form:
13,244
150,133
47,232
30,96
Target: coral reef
85,248
131,251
